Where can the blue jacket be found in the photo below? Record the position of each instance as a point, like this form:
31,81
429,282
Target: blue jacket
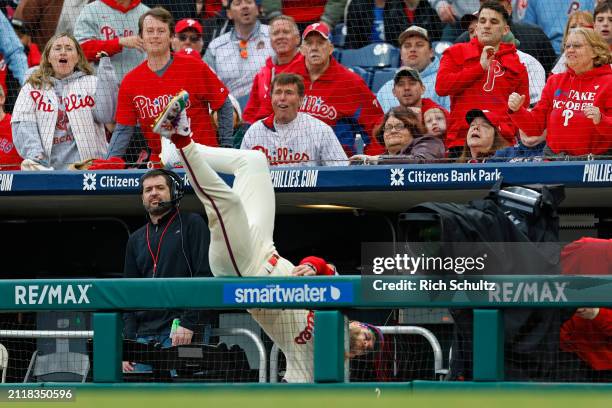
551,16
388,101
11,48
519,153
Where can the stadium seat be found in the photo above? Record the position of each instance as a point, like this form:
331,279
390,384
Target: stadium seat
363,73
3,361
381,77
372,56
338,35
58,367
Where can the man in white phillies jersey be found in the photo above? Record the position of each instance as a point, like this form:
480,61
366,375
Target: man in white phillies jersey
241,222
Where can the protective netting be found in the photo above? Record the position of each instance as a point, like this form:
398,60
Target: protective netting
99,97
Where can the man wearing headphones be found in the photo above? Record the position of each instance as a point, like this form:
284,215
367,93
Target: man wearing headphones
171,245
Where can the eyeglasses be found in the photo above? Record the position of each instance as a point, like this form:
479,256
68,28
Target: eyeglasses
244,52
574,46
191,38
398,127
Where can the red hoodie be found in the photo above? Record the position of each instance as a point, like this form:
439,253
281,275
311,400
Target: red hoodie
470,87
92,47
560,111
591,340
340,94
259,104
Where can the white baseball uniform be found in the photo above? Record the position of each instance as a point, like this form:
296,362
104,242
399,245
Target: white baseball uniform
241,222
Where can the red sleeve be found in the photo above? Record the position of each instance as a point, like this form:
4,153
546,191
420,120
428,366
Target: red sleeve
126,115
603,321
92,47
453,77
535,121
604,129
213,90
319,264
252,106
33,55
523,88
565,335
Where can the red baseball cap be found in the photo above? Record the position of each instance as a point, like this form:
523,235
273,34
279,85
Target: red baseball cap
319,28
187,23
491,117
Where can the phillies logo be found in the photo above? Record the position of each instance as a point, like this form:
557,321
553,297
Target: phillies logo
283,155
41,105
109,32
567,114
151,108
315,106
74,102
306,334
495,70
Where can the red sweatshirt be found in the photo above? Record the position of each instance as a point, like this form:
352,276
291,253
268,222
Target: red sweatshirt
259,104
304,11
341,95
111,47
470,87
560,111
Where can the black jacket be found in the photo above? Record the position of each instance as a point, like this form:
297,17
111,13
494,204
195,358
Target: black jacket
532,40
360,17
186,239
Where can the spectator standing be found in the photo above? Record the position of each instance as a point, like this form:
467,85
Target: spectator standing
172,244
148,88
290,137
416,52
531,39
12,50
285,39
238,55
9,158
408,88
111,26
188,37
551,16
576,19
71,10
603,21
306,12
481,75
372,21
334,94
60,112
405,140
576,106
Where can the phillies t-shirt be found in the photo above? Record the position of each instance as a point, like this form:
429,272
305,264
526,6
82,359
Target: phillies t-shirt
144,94
9,158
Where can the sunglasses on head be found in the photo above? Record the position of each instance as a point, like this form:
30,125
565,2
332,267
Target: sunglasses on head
192,37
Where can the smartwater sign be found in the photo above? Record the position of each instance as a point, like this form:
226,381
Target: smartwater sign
286,293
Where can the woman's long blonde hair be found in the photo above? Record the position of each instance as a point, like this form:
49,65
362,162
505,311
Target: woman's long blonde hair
41,78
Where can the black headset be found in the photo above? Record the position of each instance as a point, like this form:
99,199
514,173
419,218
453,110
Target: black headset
177,187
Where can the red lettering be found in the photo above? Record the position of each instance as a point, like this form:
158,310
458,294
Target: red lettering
73,102
40,103
108,32
283,155
315,106
306,334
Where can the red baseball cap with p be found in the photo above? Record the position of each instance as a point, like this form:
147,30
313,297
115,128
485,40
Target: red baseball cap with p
320,28
494,119
188,23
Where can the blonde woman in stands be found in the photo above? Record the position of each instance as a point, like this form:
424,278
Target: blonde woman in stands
576,106
576,19
60,113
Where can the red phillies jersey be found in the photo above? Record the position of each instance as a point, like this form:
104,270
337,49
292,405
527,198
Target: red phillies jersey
560,111
143,94
341,95
9,158
470,87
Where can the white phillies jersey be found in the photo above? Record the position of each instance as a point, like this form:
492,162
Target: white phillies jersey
293,332
305,141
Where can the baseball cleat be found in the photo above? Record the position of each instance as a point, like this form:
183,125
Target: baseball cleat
169,118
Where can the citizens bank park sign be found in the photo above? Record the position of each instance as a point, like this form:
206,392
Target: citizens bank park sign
340,178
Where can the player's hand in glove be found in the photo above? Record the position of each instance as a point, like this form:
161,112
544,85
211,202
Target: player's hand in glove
112,163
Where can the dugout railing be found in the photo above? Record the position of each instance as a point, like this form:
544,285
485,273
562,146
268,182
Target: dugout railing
107,298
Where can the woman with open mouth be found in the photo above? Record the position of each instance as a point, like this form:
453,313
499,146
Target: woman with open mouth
61,111
483,138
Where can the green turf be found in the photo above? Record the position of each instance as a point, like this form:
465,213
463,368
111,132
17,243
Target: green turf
150,398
